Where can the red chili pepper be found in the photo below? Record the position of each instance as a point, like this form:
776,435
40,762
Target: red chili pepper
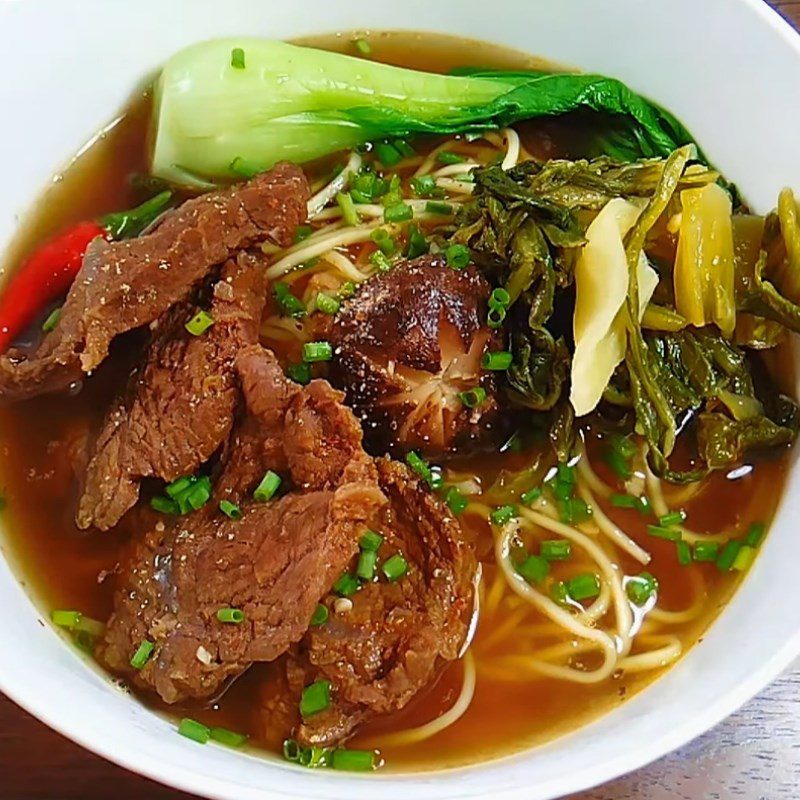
49,272
45,275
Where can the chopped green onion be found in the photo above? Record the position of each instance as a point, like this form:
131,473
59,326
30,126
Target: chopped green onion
299,373
755,533
497,361
367,561
230,510
472,398
448,157
457,256
388,154
584,586
425,186
233,616
503,514
558,592
326,303
574,510
728,555
194,730
142,654
66,619
555,549
399,212
348,207
385,243
380,261
640,588
228,738
455,501
531,496
199,323
363,46
534,569
684,553
291,750
438,207
669,534
644,505
289,304
317,351
164,505
301,233
244,168
353,760
624,501
179,486
420,466
404,148
315,698
417,243
620,465
237,58
565,473
744,558
347,289
500,297
267,488
370,541
671,519
346,585
392,195
394,567
562,490
706,551
313,757
198,495
51,321
623,445
320,615
495,317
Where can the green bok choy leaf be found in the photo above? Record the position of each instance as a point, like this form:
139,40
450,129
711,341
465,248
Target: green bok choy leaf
299,103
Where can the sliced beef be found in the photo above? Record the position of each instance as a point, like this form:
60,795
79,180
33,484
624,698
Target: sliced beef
127,284
182,402
275,563
406,345
398,636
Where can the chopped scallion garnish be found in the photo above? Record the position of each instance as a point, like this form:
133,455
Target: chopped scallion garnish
315,698
267,488
227,737
387,154
326,303
455,501
447,157
299,373
370,541
199,323
531,496
232,616
584,586
438,207
66,619
706,551
237,58
353,760
497,361
684,553
346,585
383,239
672,518
194,730
728,555
744,558
363,46
394,567
534,569
417,243
669,534
348,207
51,320
457,256
367,562
230,510
289,304
555,549
755,533
142,654
317,351
399,212
472,398
425,186
320,615
640,588
503,514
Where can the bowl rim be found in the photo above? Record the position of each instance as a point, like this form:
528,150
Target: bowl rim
580,779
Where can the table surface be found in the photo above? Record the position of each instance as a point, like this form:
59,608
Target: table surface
753,755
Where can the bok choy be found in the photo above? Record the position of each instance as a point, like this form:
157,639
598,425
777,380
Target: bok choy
299,103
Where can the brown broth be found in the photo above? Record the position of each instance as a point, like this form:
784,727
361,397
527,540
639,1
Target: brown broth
67,568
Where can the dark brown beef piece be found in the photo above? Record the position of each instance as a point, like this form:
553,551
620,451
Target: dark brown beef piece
125,285
397,636
406,345
275,563
182,403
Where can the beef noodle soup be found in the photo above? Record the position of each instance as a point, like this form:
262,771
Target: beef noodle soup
565,373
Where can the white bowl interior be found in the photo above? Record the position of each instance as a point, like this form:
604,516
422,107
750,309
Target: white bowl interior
727,68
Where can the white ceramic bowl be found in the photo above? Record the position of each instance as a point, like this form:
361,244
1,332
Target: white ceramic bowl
729,68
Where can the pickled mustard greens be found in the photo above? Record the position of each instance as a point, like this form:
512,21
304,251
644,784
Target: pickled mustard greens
666,287
278,101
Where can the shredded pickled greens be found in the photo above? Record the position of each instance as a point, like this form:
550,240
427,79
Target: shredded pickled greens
687,368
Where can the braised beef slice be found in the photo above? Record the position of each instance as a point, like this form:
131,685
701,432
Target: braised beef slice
406,345
127,284
182,402
398,635
275,563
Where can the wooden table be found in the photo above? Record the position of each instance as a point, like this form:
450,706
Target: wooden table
753,755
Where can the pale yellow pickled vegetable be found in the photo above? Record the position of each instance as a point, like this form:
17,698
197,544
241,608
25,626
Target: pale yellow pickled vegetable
704,267
601,287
